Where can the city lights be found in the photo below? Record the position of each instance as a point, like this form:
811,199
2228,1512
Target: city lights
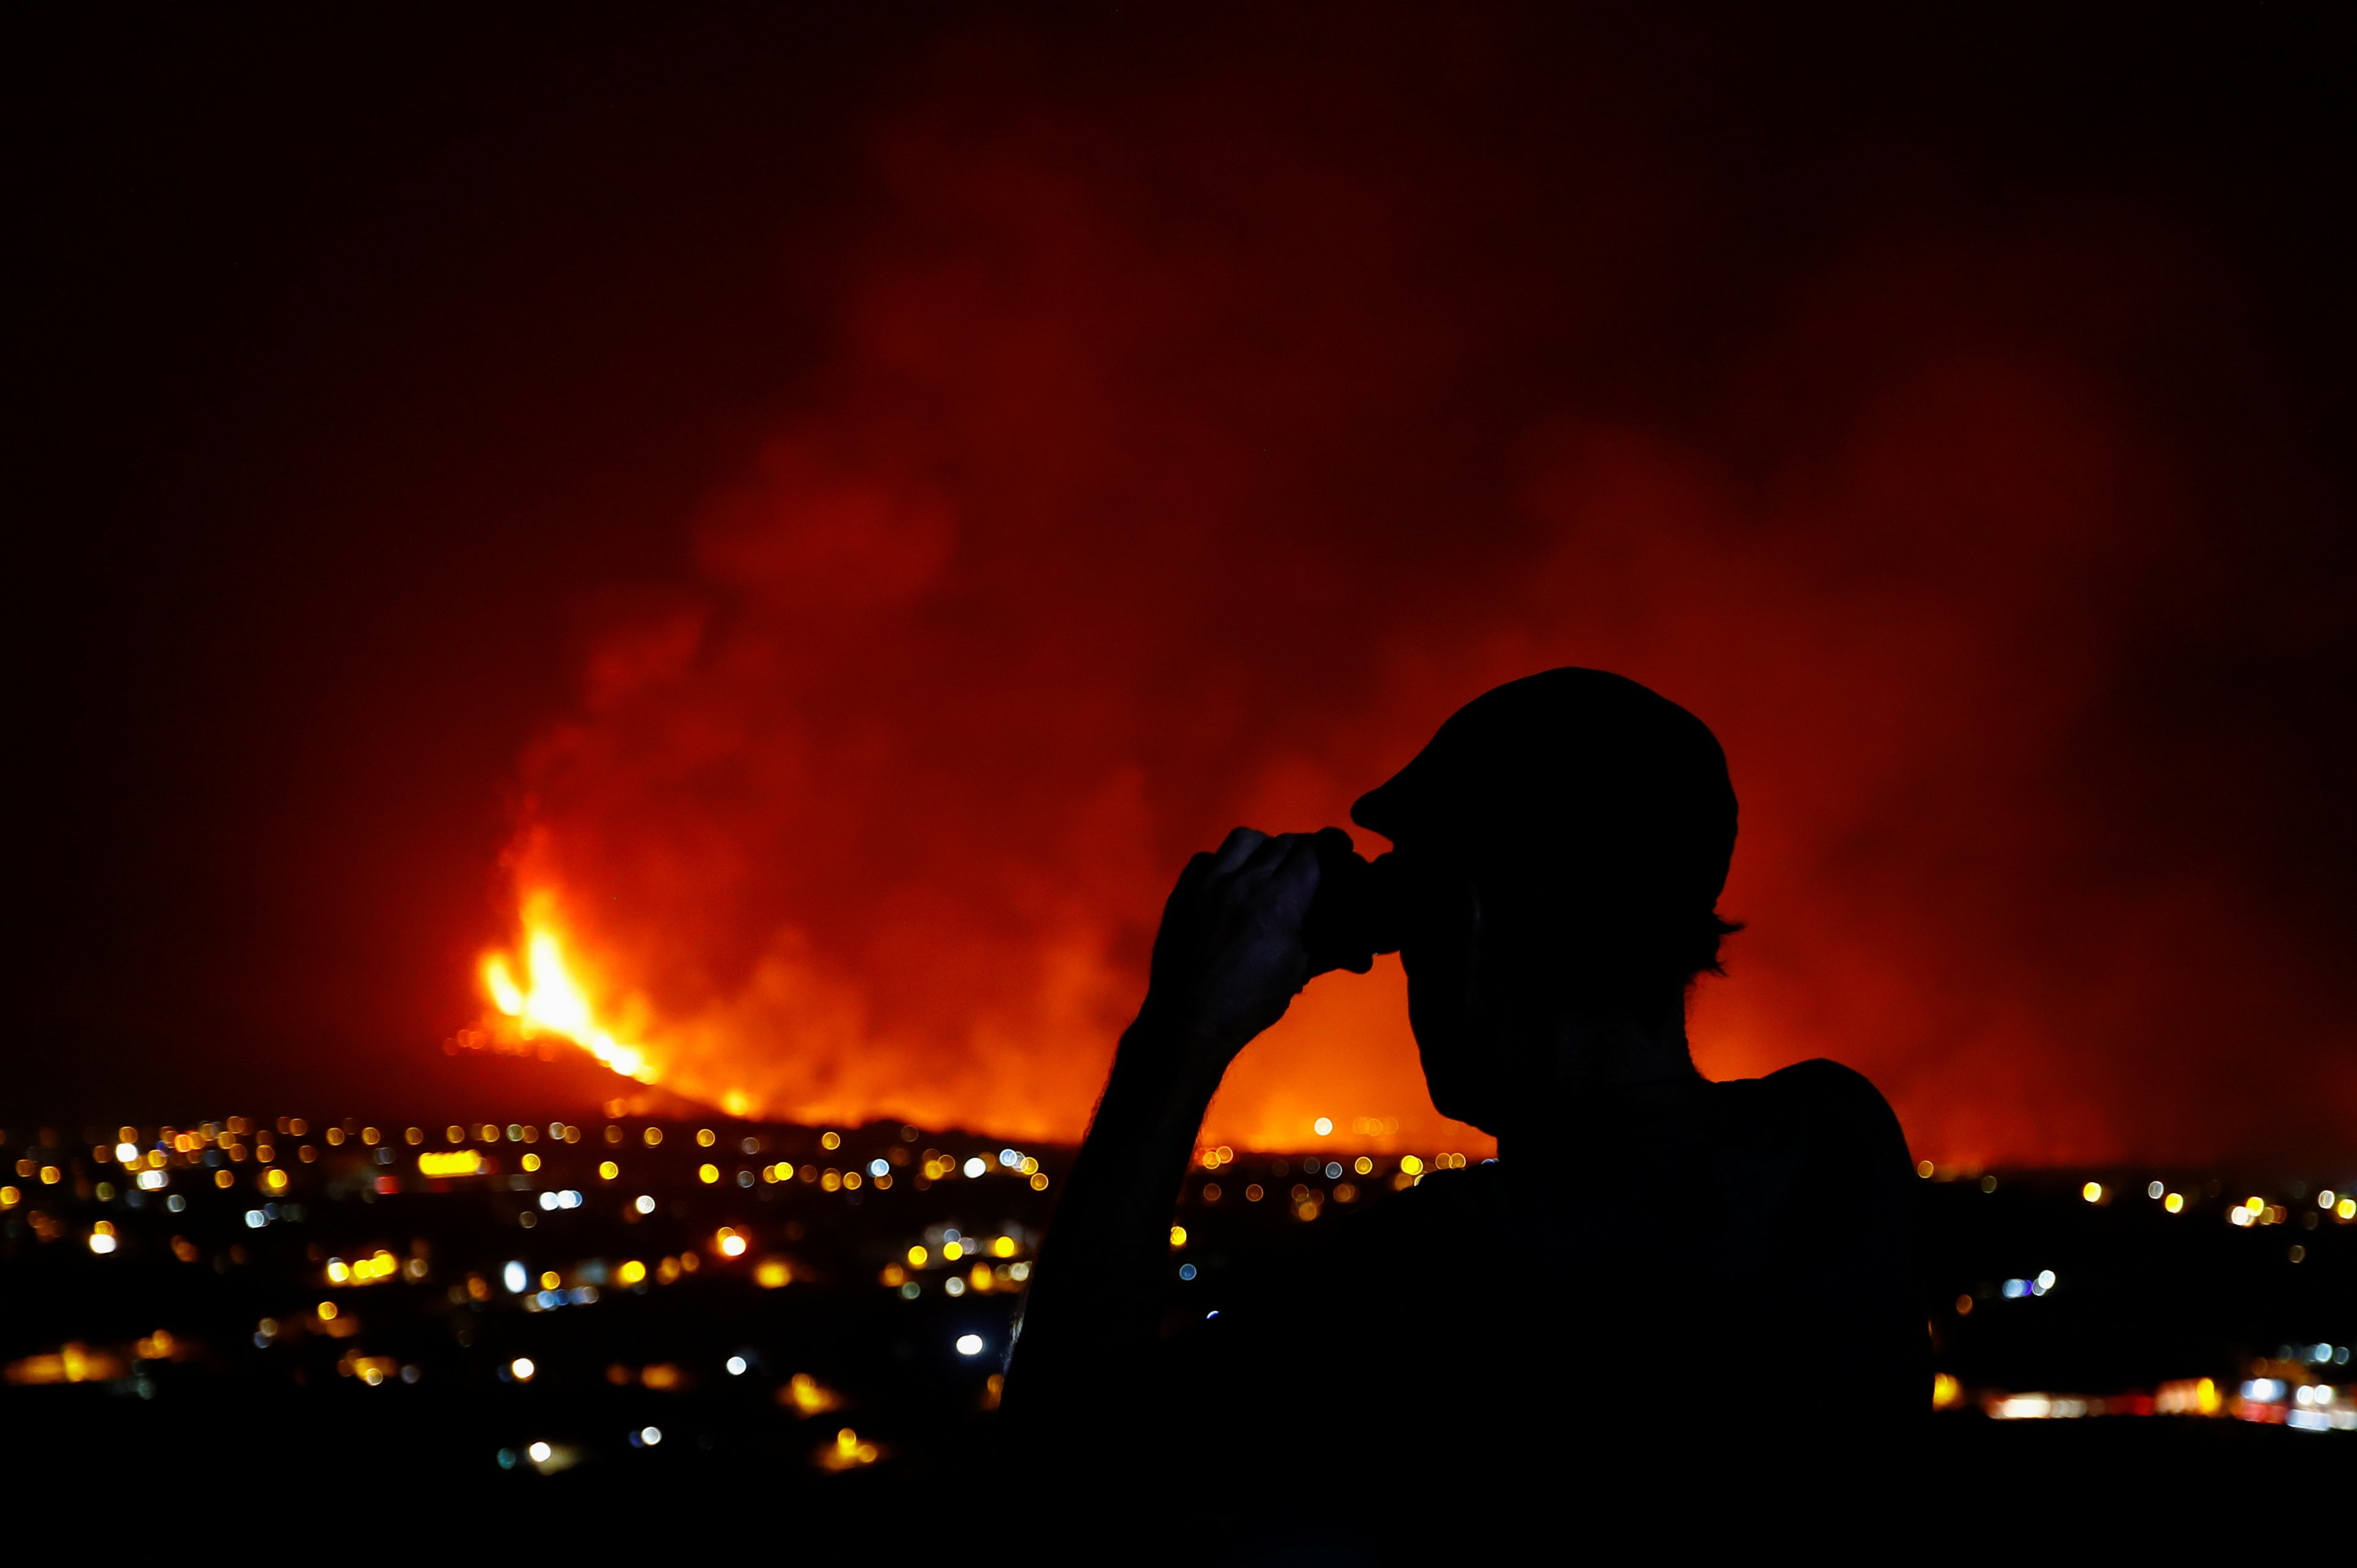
432,1311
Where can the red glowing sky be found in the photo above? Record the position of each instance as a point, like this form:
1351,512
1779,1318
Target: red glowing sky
856,510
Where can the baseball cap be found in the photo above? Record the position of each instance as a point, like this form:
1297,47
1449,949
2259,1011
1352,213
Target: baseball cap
1573,776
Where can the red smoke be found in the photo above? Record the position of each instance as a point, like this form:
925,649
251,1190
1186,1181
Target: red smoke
1190,444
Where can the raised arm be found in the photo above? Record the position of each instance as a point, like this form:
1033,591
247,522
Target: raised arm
1227,962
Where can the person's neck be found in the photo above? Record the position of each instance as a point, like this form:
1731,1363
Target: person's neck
1629,1047
1608,1056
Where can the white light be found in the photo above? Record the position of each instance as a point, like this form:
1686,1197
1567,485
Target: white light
645,1204
974,1167
126,1153
1009,1157
150,1180
539,1453
955,1286
2263,1390
255,1220
650,1436
101,1242
737,1366
2045,1280
515,1279
969,1345
2154,1190
521,1369
571,1197
548,1202
1323,1125
878,1167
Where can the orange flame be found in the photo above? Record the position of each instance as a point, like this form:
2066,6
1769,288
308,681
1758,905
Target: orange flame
551,1000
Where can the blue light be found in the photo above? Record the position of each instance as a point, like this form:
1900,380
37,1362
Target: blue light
2015,1289
1186,1271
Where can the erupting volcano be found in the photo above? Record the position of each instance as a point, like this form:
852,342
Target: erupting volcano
551,1000
1089,535
834,522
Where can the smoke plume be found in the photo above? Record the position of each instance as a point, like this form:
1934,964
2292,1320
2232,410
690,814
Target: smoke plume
1194,435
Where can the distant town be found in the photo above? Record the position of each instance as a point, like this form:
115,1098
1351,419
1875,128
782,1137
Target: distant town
504,1302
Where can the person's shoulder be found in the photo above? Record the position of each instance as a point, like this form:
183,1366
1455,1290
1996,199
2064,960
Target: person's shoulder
1838,1107
1826,1088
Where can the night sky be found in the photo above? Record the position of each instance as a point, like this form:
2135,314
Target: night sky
837,504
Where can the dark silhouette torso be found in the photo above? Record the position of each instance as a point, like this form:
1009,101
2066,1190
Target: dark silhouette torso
1663,1272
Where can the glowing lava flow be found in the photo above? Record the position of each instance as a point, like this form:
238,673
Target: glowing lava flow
553,1002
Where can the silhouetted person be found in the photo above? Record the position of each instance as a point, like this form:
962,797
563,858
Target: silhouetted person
1661,1283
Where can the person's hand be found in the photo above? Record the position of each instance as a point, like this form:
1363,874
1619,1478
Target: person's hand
1229,958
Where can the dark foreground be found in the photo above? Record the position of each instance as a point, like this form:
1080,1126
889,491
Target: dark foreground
762,1331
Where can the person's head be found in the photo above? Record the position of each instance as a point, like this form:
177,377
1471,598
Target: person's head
1562,843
